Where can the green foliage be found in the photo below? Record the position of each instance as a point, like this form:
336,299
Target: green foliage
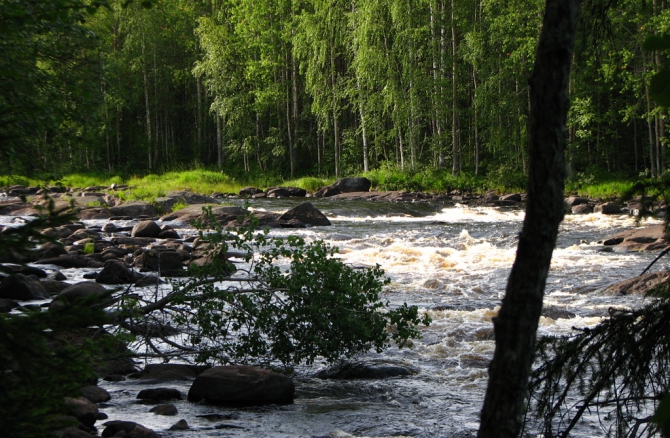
660,82
295,302
308,183
89,248
616,370
38,367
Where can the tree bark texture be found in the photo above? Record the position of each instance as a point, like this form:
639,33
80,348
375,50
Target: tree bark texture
516,324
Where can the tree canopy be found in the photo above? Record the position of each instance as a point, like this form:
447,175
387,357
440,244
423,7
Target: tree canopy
307,87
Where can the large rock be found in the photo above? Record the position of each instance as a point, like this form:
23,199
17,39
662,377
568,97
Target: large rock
608,208
146,229
223,214
305,213
285,192
639,239
83,290
82,409
576,200
352,184
639,285
581,209
167,263
95,394
345,185
20,287
115,272
241,385
135,209
128,429
6,305
250,191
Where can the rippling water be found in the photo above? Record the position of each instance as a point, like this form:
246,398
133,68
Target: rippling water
451,262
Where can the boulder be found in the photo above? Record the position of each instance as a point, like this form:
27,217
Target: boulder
109,227
128,429
582,209
352,184
241,385
21,287
6,306
223,214
146,229
305,213
180,425
82,409
167,409
638,285
576,200
95,394
49,250
516,197
167,263
116,272
325,192
159,394
361,370
639,239
250,191
285,192
345,185
134,209
608,208
83,290
54,287
168,233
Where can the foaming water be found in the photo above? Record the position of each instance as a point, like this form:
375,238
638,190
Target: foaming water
453,263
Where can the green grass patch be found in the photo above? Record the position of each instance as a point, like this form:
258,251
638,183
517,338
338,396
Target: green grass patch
308,183
179,206
89,248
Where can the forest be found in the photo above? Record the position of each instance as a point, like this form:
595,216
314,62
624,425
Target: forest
316,87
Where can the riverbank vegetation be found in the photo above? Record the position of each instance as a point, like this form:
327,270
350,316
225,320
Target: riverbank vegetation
206,182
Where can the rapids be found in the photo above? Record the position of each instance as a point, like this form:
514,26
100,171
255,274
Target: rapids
451,262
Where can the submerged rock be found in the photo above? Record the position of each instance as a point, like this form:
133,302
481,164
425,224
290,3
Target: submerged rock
361,370
159,394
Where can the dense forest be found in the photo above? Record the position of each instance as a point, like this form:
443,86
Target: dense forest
316,87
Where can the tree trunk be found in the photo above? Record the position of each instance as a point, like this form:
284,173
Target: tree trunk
146,104
219,142
516,324
455,150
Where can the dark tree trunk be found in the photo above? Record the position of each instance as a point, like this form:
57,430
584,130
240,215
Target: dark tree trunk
516,324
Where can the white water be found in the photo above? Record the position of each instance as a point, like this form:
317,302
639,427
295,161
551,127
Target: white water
453,264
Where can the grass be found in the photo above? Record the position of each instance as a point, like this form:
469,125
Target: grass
388,178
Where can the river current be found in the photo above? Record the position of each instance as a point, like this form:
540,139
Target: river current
453,263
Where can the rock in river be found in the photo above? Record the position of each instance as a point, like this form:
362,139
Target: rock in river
241,385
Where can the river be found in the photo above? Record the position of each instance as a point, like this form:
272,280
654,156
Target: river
452,263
